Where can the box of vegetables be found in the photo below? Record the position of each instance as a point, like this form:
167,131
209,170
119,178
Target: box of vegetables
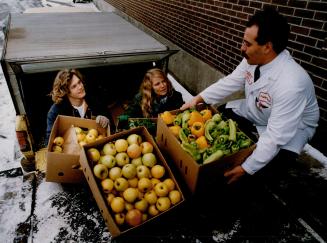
202,143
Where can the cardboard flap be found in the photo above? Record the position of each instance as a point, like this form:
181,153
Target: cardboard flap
71,145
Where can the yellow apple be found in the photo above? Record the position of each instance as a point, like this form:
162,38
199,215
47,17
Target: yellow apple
134,139
129,171
153,211
131,194
115,173
122,159
161,189
146,147
90,138
158,171
107,160
121,145
137,161
133,182
81,137
134,151
117,204
120,218
78,130
121,184
93,131
142,171
144,217
58,141
154,182
100,171
93,154
56,149
109,198
163,203
151,197
99,137
133,217
175,197
109,148
129,206
170,184
107,185
149,159
141,205
144,185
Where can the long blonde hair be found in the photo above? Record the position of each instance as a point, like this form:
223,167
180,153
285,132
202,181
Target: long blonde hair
62,82
147,92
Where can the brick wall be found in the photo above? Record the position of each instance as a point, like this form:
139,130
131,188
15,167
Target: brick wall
212,31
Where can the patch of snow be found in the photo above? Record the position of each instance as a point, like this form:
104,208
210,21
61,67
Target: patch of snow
218,236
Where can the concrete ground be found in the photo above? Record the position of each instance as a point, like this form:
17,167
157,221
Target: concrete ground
33,210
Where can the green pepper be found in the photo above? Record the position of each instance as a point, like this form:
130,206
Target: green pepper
223,139
178,119
183,133
245,143
216,117
241,135
192,150
213,157
222,125
208,127
232,130
235,148
185,117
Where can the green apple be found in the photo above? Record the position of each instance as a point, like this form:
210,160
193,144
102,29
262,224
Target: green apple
131,194
109,148
93,154
146,147
163,203
100,171
107,160
149,159
90,138
58,141
107,185
137,161
175,197
158,171
122,159
161,189
151,197
141,205
144,185
121,145
133,217
134,151
115,173
117,204
78,130
142,171
129,171
121,184
134,139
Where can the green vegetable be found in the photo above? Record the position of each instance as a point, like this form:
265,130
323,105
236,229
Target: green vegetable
185,117
216,117
183,134
223,139
208,127
213,157
235,148
245,143
192,150
232,130
178,119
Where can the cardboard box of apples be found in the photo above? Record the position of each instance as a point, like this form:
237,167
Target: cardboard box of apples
202,143
130,179
67,136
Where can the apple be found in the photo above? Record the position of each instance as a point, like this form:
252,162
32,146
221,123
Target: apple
90,138
109,148
131,194
121,184
56,149
133,217
93,154
99,137
144,185
143,171
170,184
107,185
115,173
134,139
144,217
121,145
81,137
58,141
137,161
134,151
100,171
120,218
117,204
152,210
133,182
129,171
175,196
149,159
78,130
163,203
82,143
107,160
109,198
161,189
93,131
154,182
146,147
122,159
151,197
158,171
141,205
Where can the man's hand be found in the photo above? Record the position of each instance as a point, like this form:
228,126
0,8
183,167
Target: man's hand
102,121
234,174
197,99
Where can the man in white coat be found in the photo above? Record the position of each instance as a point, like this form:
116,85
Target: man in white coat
281,103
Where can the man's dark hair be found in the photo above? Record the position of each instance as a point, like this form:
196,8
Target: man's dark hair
272,27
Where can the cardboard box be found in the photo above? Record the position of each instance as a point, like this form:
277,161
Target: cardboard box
95,186
195,175
65,167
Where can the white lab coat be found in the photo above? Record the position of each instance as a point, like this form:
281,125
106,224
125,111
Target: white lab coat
282,105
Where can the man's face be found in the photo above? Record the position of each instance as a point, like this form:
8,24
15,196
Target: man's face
76,88
251,50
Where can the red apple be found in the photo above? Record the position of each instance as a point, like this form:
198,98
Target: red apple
133,217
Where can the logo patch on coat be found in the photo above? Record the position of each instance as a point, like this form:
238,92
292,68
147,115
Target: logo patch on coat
248,77
263,100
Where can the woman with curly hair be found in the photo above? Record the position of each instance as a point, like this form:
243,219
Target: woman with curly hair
156,95
69,97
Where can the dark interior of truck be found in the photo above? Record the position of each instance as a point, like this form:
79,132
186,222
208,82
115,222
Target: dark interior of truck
112,85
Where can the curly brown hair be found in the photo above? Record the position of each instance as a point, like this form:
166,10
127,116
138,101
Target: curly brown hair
62,82
147,92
